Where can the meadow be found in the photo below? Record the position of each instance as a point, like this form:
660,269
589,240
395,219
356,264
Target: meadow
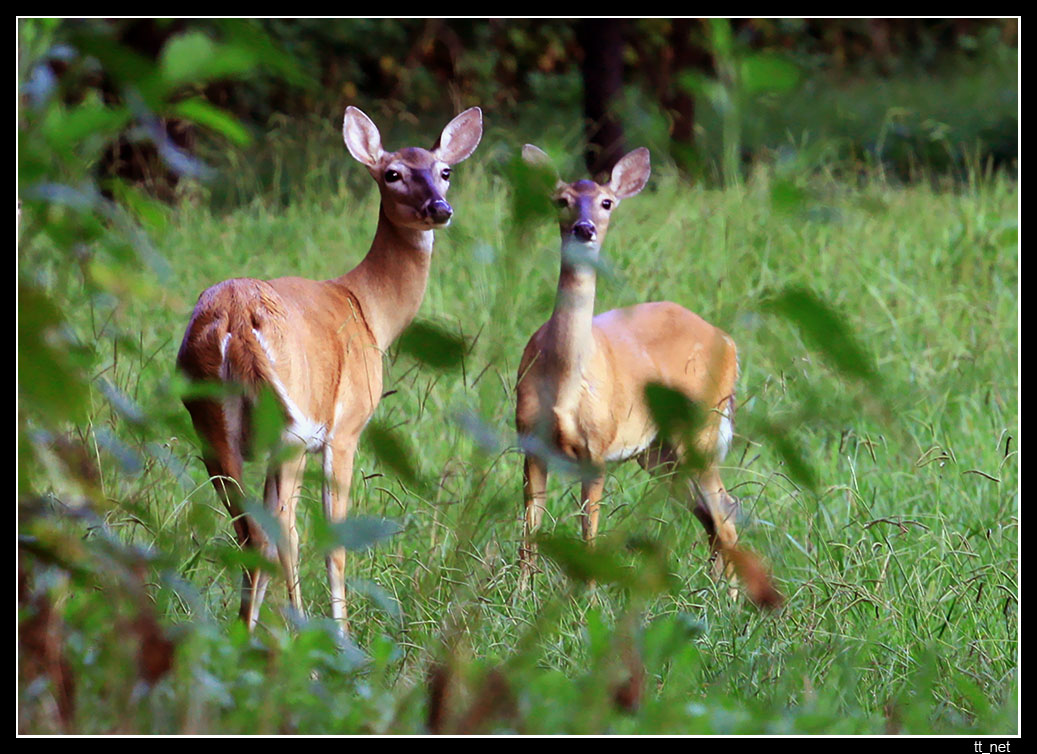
885,500
857,236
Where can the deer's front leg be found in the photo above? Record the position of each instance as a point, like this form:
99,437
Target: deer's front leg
535,489
281,494
590,492
338,475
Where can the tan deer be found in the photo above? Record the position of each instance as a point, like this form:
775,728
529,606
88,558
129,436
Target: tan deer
318,345
582,378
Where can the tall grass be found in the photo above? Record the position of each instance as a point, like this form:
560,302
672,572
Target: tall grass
900,564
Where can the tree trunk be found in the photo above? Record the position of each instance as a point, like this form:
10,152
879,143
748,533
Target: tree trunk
602,43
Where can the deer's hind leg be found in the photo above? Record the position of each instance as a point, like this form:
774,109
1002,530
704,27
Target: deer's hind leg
281,494
218,425
714,507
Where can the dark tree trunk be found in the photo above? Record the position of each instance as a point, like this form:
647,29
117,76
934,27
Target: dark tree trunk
686,55
602,43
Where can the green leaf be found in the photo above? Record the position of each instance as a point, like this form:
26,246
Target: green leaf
531,190
582,563
151,212
787,197
359,532
780,439
268,420
235,557
666,636
762,73
679,420
65,129
825,330
432,345
47,382
193,57
379,596
720,36
390,450
201,112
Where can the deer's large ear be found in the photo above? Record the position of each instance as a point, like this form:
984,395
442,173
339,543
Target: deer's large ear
362,138
460,137
631,173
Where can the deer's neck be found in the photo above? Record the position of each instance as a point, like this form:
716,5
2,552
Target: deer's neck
390,282
569,329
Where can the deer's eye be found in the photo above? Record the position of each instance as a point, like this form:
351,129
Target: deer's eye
561,202
445,175
391,176
606,204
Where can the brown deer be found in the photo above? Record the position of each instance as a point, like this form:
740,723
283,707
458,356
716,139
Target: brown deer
582,380
318,346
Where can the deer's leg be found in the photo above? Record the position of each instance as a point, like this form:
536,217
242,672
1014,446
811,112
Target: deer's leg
535,489
338,475
590,493
713,506
281,495
223,461
717,510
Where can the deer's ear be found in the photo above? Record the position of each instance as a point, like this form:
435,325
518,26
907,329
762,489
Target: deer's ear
362,138
460,137
631,173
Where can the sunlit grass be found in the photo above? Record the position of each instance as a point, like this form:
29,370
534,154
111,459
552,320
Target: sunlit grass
900,568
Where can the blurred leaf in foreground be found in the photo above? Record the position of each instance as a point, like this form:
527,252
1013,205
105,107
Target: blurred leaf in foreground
432,345
825,330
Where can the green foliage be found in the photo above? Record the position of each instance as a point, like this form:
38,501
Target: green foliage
889,515
432,345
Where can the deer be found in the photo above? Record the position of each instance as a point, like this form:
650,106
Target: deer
318,345
580,390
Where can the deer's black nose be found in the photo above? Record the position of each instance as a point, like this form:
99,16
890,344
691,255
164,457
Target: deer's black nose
439,211
584,230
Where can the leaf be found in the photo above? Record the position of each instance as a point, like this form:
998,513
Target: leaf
787,197
201,112
763,73
582,563
128,459
67,129
379,596
268,420
148,211
359,532
779,438
193,57
679,420
531,190
721,37
432,345
250,559
390,450
666,636
825,330
47,381
122,403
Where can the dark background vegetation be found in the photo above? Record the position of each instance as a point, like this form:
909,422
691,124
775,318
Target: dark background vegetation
121,121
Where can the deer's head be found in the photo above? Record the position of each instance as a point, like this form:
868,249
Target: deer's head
585,207
413,181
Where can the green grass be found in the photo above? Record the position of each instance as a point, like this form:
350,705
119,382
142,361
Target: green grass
900,566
